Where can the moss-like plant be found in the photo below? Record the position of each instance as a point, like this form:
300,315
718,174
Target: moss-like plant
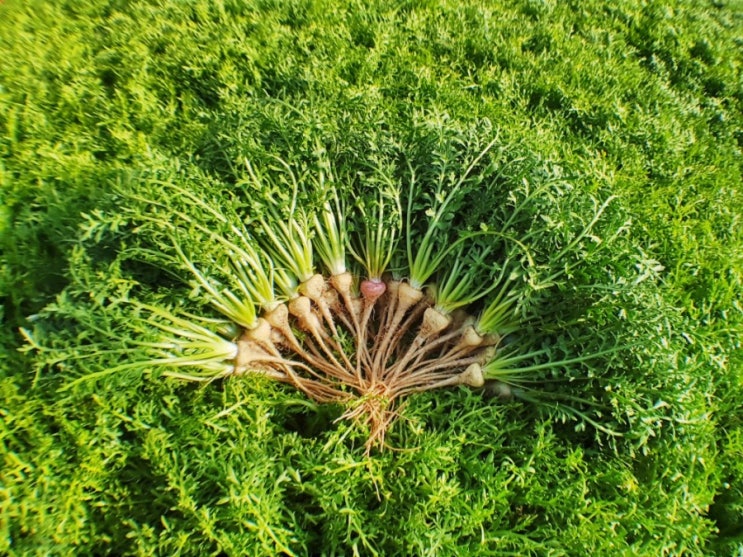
640,99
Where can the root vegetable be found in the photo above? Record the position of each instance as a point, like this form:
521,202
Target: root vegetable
249,352
343,284
313,287
433,323
261,335
332,301
301,308
407,297
502,390
487,355
393,289
371,290
472,376
459,318
491,340
278,318
261,332
357,307
277,337
470,338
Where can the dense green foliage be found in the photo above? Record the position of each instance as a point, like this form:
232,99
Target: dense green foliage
641,100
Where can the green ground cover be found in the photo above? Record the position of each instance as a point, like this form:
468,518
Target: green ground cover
639,100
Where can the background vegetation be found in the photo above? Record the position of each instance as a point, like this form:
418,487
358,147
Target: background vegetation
639,99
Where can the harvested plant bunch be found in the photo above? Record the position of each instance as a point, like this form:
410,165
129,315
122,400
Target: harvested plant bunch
414,309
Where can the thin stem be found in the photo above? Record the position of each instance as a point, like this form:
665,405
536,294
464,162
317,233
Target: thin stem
375,250
331,235
396,332
494,368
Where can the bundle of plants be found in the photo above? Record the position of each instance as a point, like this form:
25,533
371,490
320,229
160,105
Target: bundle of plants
358,296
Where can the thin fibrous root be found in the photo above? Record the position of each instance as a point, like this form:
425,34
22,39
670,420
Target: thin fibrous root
416,353
431,371
389,303
301,308
403,344
434,322
371,291
375,409
319,391
407,298
279,320
330,367
253,358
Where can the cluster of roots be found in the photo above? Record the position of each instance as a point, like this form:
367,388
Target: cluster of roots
364,350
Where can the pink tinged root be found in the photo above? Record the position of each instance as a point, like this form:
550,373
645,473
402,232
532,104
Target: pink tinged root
372,290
